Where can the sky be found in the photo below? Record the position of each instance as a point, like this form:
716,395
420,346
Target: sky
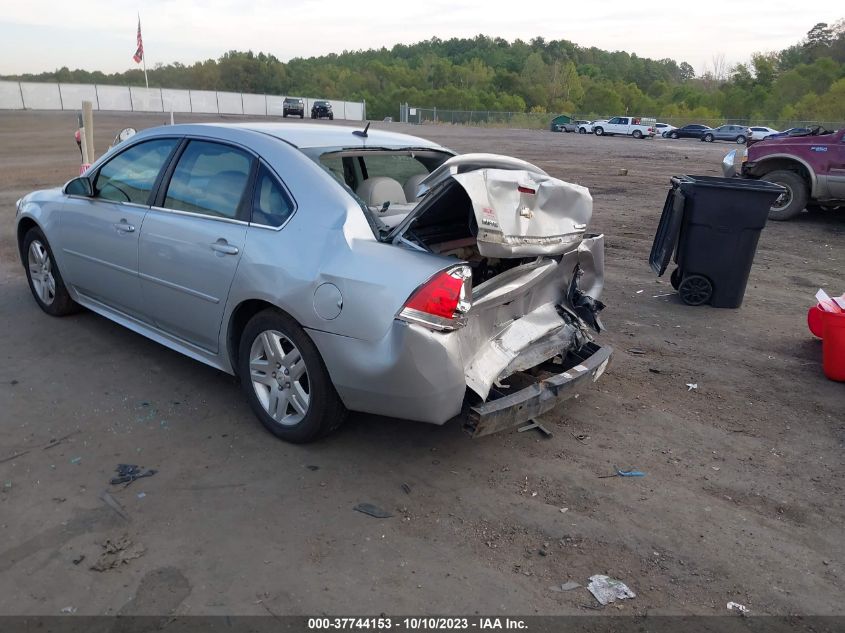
37,36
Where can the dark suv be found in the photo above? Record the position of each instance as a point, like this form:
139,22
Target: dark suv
322,110
293,105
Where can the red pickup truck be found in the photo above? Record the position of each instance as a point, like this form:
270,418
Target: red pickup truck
811,167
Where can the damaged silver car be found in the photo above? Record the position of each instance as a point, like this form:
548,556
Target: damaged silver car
333,269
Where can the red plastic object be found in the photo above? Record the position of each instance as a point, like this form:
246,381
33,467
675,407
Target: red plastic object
814,321
833,345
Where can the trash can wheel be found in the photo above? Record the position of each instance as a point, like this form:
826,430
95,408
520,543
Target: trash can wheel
695,290
675,278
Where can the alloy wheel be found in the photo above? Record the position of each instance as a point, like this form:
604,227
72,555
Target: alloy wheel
41,272
279,377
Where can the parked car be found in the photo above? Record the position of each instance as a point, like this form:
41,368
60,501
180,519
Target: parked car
638,127
586,127
758,133
322,110
663,129
736,133
692,130
793,131
811,167
573,126
293,105
292,256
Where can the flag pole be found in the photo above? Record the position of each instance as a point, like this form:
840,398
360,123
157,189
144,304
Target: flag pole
143,56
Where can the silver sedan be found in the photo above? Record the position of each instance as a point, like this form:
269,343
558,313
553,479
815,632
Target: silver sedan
333,269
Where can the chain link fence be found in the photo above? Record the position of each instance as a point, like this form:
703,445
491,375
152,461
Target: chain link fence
542,120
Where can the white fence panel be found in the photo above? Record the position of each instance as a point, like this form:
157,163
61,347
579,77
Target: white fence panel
254,104
204,101
354,111
114,98
41,96
10,96
229,103
175,100
74,94
146,99
275,105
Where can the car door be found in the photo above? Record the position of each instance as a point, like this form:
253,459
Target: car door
99,234
836,177
192,239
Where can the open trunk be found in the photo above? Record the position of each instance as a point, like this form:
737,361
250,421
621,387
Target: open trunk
536,274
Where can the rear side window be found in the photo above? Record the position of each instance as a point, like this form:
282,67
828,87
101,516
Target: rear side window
271,204
210,178
130,176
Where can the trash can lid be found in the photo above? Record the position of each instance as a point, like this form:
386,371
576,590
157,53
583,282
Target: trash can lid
688,182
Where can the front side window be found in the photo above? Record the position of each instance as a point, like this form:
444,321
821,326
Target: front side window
130,176
210,178
614,120
271,205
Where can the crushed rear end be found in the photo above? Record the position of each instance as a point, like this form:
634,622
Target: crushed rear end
527,279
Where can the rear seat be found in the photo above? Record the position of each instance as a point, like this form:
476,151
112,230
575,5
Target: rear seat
377,190
411,186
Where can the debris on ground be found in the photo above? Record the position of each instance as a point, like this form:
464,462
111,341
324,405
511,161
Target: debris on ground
535,425
373,511
127,473
567,586
70,610
78,559
312,467
118,552
735,606
623,473
406,488
636,351
76,460
606,589
692,385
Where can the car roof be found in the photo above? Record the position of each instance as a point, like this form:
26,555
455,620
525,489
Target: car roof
308,135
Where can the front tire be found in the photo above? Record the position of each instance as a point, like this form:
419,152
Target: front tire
741,139
45,280
794,200
599,131
285,380
708,138
674,135
582,130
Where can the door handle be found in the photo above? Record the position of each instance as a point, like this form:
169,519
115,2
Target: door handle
224,248
124,227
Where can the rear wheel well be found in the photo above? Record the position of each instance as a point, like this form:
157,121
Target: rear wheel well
777,164
237,322
23,228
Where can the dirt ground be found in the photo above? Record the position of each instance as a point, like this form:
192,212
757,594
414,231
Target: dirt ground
742,499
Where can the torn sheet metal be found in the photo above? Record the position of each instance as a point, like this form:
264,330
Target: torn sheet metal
523,343
521,213
471,162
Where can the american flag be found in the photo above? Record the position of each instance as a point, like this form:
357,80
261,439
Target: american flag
139,53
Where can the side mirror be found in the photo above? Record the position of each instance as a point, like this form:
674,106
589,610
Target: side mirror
81,186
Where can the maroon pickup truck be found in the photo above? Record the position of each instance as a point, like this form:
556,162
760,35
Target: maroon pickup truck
811,167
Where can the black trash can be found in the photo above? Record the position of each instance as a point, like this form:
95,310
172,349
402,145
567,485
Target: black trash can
712,225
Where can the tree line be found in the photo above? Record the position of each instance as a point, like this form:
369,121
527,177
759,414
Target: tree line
805,81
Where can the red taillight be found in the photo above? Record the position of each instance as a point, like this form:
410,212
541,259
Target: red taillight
524,189
442,301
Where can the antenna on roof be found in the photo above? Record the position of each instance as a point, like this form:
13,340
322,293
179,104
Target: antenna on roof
363,132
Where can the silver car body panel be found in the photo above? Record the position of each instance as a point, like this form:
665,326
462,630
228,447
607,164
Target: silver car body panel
327,254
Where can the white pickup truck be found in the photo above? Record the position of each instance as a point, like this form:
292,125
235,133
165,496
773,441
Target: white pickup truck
637,126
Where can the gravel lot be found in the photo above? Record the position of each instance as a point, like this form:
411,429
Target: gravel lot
742,499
